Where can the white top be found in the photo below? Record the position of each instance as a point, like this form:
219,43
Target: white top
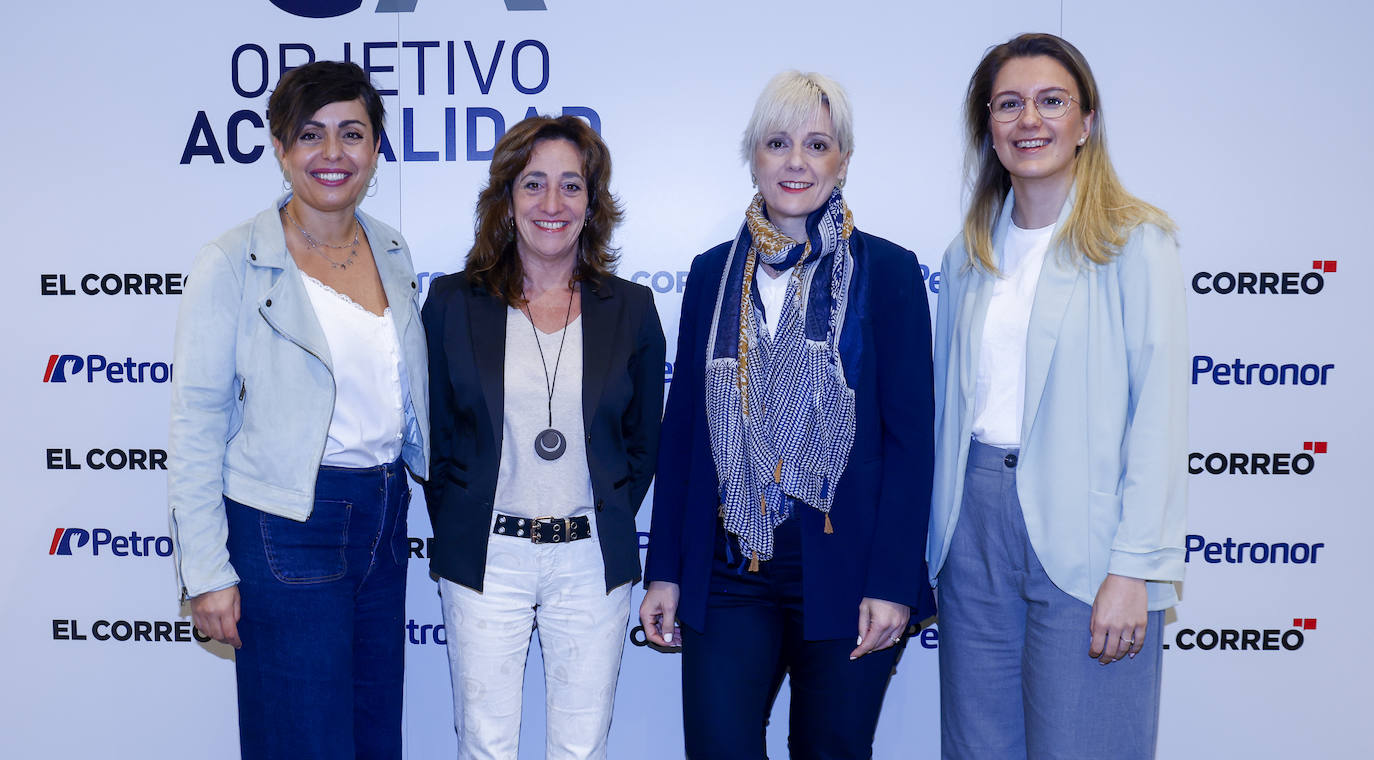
999,397
365,429
773,293
526,484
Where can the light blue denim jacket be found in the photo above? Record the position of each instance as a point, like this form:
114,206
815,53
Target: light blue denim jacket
1104,434
253,388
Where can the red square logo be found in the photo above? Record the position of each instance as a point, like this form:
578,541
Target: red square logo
1329,266
1320,447
1297,622
1309,624
1306,445
1317,265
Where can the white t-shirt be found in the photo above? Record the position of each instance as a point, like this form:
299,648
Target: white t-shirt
773,293
999,398
369,413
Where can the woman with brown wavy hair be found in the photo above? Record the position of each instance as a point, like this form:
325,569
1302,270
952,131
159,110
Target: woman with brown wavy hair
547,373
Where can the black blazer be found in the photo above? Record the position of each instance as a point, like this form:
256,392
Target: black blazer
622,407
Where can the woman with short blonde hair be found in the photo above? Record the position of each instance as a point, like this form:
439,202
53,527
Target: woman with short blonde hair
792,482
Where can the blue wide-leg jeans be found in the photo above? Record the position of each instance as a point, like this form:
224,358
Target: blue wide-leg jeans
321,670
1016,680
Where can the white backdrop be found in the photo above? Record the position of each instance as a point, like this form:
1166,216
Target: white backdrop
1247,121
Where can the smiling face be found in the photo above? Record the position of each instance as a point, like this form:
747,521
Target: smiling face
796,171
1033,148
331,161
549,202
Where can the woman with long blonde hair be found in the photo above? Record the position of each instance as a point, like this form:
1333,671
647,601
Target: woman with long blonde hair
1061,384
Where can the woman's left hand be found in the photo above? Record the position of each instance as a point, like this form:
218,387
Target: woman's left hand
1119,617
881,624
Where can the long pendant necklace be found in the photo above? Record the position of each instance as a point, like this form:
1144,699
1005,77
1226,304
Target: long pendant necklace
314,243
550,444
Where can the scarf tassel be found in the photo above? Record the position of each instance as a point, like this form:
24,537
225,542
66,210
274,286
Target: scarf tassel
828,527
754,563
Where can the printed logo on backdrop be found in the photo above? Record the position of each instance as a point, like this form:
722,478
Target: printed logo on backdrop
1230,372
92,368
1294,283
332,8
131,460
127,631
1257,463
425,633
1243,639
112,284
1232,552
103,542
443,119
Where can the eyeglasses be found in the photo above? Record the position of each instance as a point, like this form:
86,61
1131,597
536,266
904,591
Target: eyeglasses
1051,104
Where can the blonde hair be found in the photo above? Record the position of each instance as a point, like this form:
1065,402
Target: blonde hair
789,101
1103,213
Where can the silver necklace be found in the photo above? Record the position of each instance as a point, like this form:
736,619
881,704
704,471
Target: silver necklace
315,244
550,444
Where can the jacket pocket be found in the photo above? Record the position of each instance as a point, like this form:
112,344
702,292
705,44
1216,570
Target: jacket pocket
311,551
236,411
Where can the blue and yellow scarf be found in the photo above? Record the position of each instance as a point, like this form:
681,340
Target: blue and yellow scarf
779,407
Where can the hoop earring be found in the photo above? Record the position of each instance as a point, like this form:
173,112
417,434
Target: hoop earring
372,185
285,182
840,183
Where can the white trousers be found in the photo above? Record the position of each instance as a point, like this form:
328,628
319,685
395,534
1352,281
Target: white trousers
560,588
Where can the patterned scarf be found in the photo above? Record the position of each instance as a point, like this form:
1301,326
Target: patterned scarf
779,408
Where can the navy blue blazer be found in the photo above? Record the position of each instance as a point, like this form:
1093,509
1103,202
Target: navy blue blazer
622,401
882,501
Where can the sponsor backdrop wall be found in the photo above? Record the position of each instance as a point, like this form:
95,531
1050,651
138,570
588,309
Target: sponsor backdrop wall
135,132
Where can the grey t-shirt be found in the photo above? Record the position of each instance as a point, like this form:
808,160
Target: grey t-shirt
528,485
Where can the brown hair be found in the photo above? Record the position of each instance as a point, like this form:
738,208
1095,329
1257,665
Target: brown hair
302,91
493,263
1103,213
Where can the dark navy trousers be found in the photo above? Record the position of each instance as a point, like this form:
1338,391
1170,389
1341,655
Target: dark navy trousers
321,670
731,673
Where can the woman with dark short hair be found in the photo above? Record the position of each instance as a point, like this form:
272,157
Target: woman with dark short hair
1061,374
547,396
793,482
298,403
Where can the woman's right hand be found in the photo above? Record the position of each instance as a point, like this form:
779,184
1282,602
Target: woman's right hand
658,614
216,614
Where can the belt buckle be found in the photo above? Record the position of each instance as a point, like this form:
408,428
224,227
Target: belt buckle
534,528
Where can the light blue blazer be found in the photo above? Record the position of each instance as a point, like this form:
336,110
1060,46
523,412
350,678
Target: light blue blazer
1101,474
253,387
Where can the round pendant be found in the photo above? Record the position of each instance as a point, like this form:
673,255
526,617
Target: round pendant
550,444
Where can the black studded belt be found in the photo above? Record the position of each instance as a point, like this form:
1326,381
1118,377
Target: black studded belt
543,530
